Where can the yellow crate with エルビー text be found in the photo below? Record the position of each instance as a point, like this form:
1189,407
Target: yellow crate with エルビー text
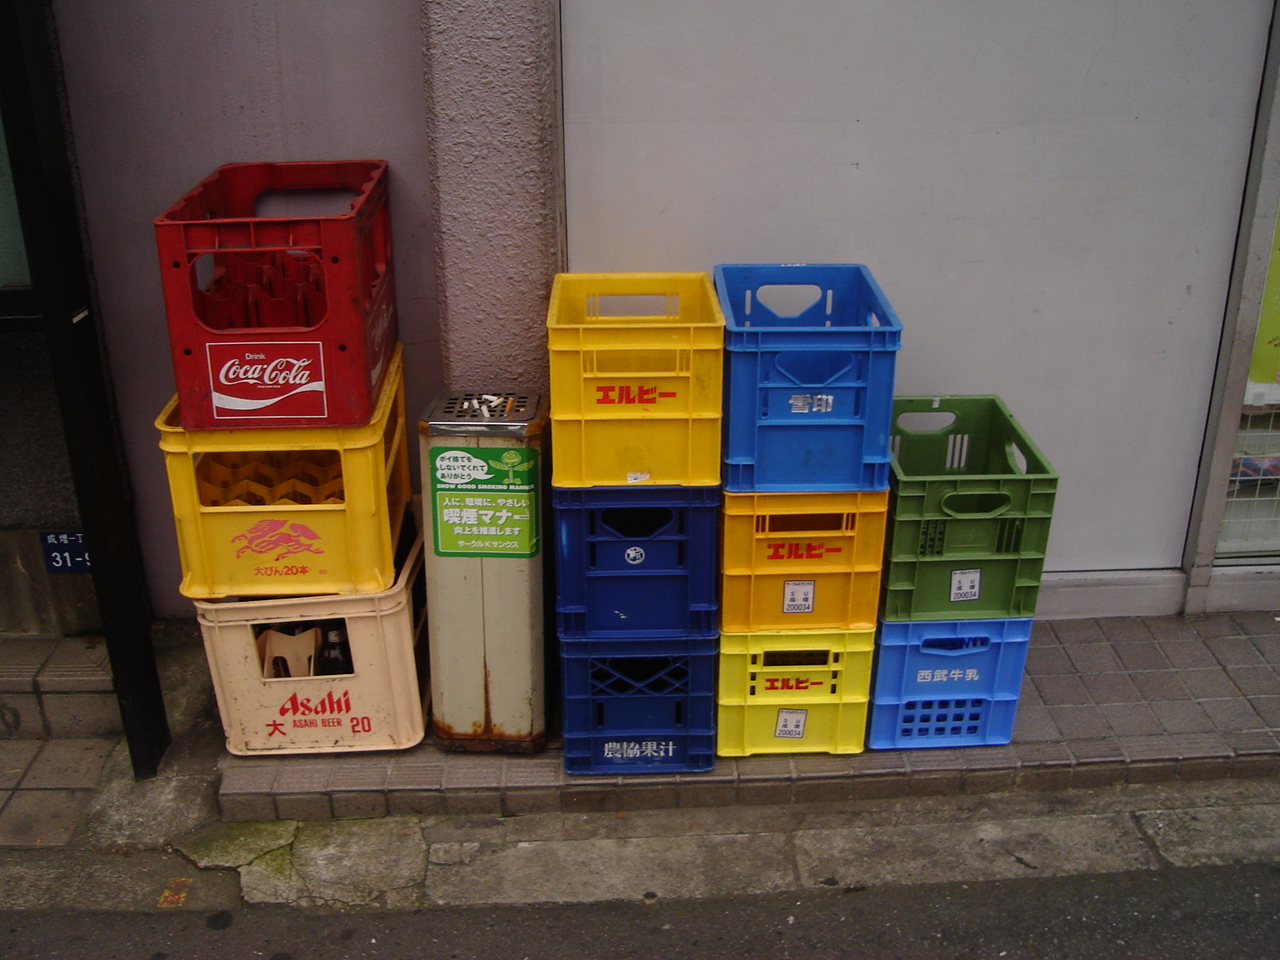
636,368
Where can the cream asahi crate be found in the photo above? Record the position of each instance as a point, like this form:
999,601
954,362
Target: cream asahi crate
378,705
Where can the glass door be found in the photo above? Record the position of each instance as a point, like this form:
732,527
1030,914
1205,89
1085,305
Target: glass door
1250,530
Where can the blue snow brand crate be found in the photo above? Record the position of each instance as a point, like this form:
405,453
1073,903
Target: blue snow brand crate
810,355
647,711
933,659
637,561
941,722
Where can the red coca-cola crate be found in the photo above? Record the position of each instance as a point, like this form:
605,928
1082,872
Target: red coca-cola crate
278,289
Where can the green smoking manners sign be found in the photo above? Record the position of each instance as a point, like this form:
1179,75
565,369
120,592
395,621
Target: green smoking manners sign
484,501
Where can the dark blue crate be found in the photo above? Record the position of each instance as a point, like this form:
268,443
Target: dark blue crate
944,722
637,561
653,710
657,689
934,659
809,396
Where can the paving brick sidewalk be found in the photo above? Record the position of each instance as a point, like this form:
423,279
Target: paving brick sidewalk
1104,702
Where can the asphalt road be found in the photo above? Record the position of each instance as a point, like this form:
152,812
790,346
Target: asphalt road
1200,913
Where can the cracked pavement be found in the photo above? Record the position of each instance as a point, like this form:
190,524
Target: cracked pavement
414,862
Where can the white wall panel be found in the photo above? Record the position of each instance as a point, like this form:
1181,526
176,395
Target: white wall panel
1048,193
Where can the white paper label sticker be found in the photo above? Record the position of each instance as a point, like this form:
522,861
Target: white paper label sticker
965,585
637,476
790,725
797,596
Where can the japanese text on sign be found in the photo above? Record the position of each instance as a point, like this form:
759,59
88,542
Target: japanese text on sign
484,501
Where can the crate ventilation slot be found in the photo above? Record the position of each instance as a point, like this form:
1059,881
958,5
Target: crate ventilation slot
640,676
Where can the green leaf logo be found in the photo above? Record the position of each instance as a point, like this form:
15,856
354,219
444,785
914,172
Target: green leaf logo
512,461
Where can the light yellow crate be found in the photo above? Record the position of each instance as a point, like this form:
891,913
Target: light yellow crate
793,691
802,561
378,705
289,511
636,366
809,666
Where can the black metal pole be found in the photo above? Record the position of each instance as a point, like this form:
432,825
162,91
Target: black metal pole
44,176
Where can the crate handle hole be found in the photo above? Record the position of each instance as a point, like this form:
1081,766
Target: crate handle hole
633,363
796,658
954,646
666,306
925,421
813,368
804,522
288,204
788,301
975,506
636,523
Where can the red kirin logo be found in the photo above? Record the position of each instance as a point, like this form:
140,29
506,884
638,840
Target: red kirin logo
268,536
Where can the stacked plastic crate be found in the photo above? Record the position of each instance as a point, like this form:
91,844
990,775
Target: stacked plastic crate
287,455
810,358
636,374
969,525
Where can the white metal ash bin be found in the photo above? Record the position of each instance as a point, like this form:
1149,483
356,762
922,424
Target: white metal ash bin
481,457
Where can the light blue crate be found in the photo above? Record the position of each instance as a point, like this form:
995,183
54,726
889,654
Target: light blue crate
932,659
809,396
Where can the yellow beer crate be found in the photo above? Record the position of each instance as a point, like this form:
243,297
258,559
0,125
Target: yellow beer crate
801,691
636,372
802,561
289,511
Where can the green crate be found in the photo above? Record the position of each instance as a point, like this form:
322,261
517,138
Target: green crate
971,502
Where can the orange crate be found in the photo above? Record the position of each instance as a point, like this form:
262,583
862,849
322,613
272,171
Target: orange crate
802,561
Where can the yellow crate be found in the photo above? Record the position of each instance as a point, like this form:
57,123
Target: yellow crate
289,511
796,666
802,561
378,705
746,729
636,365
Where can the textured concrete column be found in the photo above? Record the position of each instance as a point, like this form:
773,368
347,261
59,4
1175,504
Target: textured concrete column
493,87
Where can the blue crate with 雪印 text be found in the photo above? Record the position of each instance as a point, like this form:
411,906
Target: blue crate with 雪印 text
810,352
637,561
647,711
941,722
950,658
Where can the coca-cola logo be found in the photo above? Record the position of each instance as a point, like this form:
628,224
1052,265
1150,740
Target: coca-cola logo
281,380
283,371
